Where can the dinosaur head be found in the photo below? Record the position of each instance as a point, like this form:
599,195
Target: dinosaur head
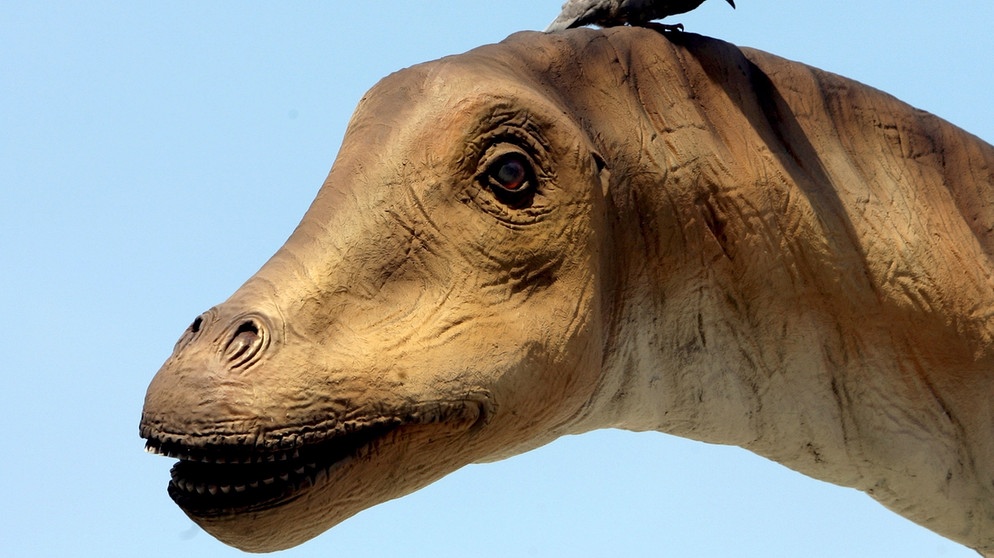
437,306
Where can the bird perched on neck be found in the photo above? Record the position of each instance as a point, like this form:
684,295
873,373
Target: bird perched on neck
609,13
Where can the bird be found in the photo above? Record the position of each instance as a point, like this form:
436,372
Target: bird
609,13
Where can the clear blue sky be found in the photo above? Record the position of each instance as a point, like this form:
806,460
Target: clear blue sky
154,154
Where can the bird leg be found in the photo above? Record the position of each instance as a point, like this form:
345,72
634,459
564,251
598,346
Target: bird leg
663,27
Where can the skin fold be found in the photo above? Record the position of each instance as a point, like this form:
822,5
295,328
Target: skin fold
590,229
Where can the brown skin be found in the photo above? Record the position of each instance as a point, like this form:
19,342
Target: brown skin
700,240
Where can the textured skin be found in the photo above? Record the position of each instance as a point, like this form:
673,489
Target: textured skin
718,243
610,13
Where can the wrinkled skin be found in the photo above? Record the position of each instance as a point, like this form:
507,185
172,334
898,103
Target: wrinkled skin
593,229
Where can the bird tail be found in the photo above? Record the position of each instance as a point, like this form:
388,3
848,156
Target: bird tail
560,24
569,17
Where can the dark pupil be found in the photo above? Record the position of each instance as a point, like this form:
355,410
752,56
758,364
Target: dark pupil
511,174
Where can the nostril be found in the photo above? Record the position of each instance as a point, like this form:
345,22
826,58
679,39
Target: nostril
191,332
245,343
245,337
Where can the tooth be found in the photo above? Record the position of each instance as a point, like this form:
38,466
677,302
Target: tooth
200,489
254,484
212,489
239,488
270,480
296,454
284,477
299,470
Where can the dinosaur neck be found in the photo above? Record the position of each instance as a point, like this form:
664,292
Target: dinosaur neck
802,266
818,370
780,333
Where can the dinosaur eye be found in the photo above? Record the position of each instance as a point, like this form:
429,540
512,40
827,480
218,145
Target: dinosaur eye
511,178
510,172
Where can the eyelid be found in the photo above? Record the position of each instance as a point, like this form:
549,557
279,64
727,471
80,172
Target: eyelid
500,150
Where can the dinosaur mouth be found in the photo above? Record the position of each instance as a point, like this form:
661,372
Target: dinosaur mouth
223,479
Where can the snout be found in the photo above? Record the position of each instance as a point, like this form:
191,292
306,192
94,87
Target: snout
265,432
205,393
238,340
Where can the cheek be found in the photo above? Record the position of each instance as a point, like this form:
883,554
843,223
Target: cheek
560,363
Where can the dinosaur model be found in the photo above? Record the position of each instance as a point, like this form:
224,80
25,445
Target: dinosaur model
604,228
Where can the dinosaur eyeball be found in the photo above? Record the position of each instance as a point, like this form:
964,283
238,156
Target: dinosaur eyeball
510,172
511,175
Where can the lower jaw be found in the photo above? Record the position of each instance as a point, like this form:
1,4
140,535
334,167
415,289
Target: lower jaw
283,514
221,504
223,490
388,468
215,489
